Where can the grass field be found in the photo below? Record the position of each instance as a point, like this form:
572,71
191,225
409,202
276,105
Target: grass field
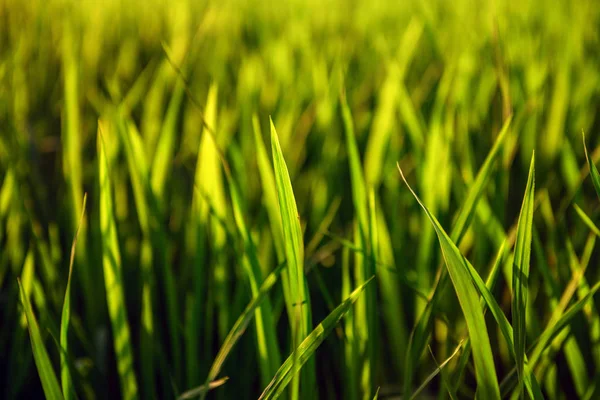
306,199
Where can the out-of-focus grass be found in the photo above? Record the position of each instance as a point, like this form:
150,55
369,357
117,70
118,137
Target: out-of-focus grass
240,160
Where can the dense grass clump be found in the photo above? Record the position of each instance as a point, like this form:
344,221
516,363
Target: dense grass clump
357,200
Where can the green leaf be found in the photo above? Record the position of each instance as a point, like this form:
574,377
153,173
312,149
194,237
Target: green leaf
520,276
587,220
557,323
419,336
298,299
165,148
266,335
367,239
267,177
65,375
111,261
485,371
376,394
467,210
239,328
436,372
42,361
306,349
593,170
207,230
153,252
144,199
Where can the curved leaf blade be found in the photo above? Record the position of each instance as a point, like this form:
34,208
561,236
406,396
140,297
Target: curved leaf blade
521,271
306,349
111,261
42,361
593,170
65,374
485,370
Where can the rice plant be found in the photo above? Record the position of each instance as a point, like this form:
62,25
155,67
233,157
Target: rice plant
357,200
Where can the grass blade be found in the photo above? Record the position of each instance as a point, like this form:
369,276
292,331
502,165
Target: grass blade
476,190
284,375
111,260
208,182
202,390
521,271
42,361
72,159
298,299
143,197
240,326
587,220
593,170
490,283
365,266
436,372
65,375
485,371
266,334
419,336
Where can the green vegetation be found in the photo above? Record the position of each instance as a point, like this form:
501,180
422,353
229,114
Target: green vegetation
359,200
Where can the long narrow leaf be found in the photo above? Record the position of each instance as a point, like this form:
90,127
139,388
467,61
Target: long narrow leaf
42,361
306,349
266,334
65,375
115,292
240,326
298,299
520,276
419,336
485,370
593,170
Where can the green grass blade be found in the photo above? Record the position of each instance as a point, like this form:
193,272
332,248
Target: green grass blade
115,292
485,370
310,344
208,237
359,192
72,158
365,267
165,148
266,334
520,279
435,373
201,390
490,283
298,299
271,203
388,280
558,320
381,130
593,170
350,391
506,329
42,361
240,325
265,169
556,324
65,375
142,193
476,190
376,394
587,220
209,180
419,337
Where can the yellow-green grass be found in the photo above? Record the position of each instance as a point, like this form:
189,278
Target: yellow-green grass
246,232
